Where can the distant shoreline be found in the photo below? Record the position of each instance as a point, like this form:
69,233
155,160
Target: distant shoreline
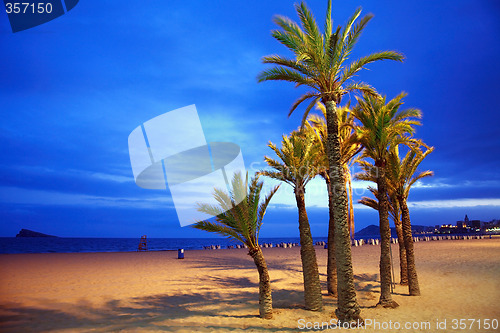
13,245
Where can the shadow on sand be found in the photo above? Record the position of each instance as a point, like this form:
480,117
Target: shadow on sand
225,311
167,313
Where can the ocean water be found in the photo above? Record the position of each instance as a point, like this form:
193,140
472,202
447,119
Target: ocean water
72,245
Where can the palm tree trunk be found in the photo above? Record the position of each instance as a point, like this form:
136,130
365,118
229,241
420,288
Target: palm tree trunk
331,267
312,286
348,308
385,240
351,208
265,298
403,266
413,286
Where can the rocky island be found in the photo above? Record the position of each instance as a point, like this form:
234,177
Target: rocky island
30,233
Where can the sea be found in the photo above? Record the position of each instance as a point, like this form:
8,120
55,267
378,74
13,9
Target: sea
11,245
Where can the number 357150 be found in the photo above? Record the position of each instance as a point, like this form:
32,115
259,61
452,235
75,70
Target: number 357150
27,8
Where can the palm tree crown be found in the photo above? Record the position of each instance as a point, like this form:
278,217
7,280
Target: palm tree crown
299,160
402,173
384,125
238,221
320,58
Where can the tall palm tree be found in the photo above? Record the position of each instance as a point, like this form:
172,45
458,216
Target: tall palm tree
384,126
398,224
349,148
242,222
320,63
297,165
394,212
402,175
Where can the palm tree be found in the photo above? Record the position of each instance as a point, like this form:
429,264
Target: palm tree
394,212
320,63
401,174
242,222
398,224
297,165
384,126
349,148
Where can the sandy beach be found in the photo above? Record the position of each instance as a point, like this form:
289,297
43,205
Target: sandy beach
217,291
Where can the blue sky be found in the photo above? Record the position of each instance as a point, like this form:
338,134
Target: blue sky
73,89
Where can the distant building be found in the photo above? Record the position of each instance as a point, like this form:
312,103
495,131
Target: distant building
492,227
475,224
468,226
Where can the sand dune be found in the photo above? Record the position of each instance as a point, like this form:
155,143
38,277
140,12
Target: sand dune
217,291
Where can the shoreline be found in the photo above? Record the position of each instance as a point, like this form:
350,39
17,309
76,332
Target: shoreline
362,241
217,291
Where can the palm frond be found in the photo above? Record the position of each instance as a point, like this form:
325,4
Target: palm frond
339,55
332,45
285,74
355,33
292,35
359,64
293,64
219,229
309,24
369,202
276,175
361,87
239,213
263,206
301,99
308,109
328,22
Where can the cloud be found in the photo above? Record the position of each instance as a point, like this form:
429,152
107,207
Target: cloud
316,196
14,195
34,169
438,183
111,177
420,184
40,171
455,203
452,203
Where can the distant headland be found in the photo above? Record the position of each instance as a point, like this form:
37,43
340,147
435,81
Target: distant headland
374,230
467,226
30,233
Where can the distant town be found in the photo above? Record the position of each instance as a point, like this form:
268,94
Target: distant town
466,226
